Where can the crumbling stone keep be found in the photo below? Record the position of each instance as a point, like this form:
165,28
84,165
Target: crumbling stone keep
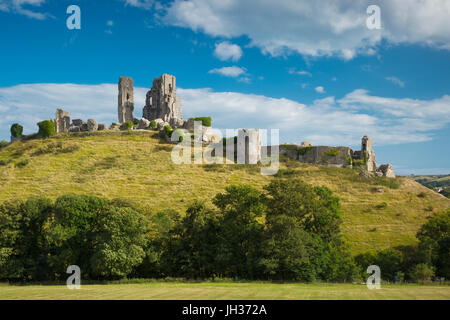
162,102
62,121
126,100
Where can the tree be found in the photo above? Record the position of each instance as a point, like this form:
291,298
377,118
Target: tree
193,247
240,232
315,208
287,249
119,243
22,243
422,272
434,243
16,130
46,129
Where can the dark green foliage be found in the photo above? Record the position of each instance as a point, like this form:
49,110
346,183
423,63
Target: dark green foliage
16,130
446,192
434,245
46,129
315,208
119,243
241,233
304,150
22,163
22,242
153,125
288,250
206,121
421,272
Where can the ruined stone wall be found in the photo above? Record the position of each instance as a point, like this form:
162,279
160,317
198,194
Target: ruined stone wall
162,102
126,100
248,146
332,156
62,121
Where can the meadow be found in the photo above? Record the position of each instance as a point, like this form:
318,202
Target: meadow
159,290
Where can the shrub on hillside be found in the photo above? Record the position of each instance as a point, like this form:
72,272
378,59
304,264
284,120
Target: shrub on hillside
178,134
128,125
46,129
421,272
153,125
206,121
16,130
168,130
3,144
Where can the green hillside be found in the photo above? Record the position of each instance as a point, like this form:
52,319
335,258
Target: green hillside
377,213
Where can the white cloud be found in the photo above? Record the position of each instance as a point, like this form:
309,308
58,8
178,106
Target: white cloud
326,121
315,28
145,4
320,89
396,81
233,72
227,51
19,6
301,72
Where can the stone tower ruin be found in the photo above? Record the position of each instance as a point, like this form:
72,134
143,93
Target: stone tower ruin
162,102
249,146
368,154
126,100
62,121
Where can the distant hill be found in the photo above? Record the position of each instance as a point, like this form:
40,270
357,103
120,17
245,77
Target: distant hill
377,213
433,181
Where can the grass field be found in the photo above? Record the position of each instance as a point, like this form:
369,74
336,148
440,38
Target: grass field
377,213
225,291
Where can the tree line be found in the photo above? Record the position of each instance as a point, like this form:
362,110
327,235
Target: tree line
289,231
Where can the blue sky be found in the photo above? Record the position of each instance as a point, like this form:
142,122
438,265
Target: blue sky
313,70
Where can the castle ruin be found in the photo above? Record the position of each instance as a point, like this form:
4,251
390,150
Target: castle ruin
126,100
162,102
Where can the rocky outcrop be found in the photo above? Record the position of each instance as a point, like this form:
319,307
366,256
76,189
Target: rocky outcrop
144,123
92,125
387,170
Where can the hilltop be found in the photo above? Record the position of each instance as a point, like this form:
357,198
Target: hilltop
136,165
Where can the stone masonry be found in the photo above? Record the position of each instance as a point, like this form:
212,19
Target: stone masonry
126,100
162,102
62,121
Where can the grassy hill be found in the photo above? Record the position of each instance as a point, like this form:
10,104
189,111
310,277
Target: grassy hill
377,213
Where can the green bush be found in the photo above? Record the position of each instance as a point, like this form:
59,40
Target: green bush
153,124
304,150
168,130
46,129
3,144
128,125
22,163
206,121
421,272
332,153
16,130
